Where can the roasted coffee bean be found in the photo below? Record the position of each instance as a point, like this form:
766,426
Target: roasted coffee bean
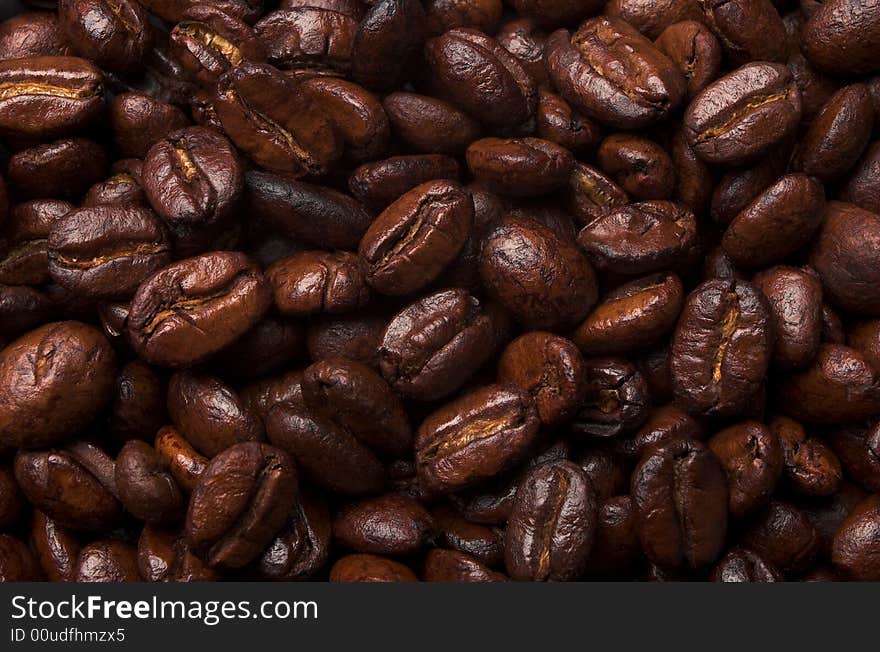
433,346
840,386
651,17
641,167
312,282
524,39
386,525
53,382
749,31
274,122
633,316
476,437
46,97
370,568
811,468
138,407
741,116
865,338
63,169
862,189
838,135
640,238
857,542
194,307
23,308
795,301
185,464
559,123
121,188
519,167
410,243
209,414
386,38
317,215
739,187
327,454
553,524
302,546
471,70
240,503
55,547
32,34
592,194
379,183
139,120
617,552
355,336
752,457
858,449
106,251
721,347
784,537
308,40
482,542
844,255
842,37
115,34
777,223
456,566
695,52
742,565
544,281
163,556
58,485
613,74
107,561
17,563
551,369
680,495
146,488
357,398
25,257
616,400
208,41
430,125
694,178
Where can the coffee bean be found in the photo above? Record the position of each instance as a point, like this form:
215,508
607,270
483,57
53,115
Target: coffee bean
519,167
370,568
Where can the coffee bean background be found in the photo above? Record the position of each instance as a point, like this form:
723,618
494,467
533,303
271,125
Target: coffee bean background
398,290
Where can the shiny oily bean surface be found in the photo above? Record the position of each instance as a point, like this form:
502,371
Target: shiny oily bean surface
519,167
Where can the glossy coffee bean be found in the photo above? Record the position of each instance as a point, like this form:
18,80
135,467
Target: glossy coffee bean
138,407
616,400
651,17
743,565
107,561
592,194
861,188
312,282
640,166
145,486
63,169
139,120
784,537
182,460
680,495
749,31
387,37
32,34
841,37
454,566
240,503
545,282
302,546
55,547
370,568
386,525
519,167
553,524
721,347
694,50
115,34
811,468
379,183
855,545
430,125
559,123
163,556
17,564
858,449
194,307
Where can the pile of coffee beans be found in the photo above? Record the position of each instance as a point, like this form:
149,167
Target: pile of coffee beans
444,290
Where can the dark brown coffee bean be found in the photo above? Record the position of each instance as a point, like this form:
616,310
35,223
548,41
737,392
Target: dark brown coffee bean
476,437
46,97
811,468
410,243
695,52
485,544
58,485
432,347
858,449
138,407
138,121
694,178
387,37
544,281
838,135
106,251
121,188
53,382
317,215
475,73
742,565
784,537
22,308
430,125
862,189
613,74
355,336
172,10
302,546
269,118
456,566
17,564
844,255
266,348
519,167
524,39
680,495
164,556
749,31
308,40
795,301
741,116
857,542
739,187
864,336
559,123
56,548
777,223
379,183
840,386
241,501
617,552
664,424
386,525
551,369
651,17
146,488
328,455
640,238
32,34
721,347
553,524
185,464
370,568
107,561
641,167
194,307
25,257
842,37
210,414
592,194
115,34
752,457
312,282
357,398
633,316
616,400
63,169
